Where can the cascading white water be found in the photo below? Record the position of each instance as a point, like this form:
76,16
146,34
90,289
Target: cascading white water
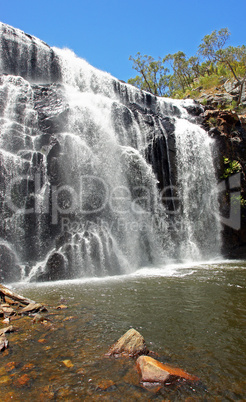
99,151
200,228
90,149
196,218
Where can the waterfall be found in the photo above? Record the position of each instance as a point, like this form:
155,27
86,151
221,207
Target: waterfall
196,185
97,177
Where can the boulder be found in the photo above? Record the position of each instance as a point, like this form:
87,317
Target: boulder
233,88
55,268
152,371
130,344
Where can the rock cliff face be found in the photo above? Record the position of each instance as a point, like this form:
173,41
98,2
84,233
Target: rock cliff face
26,56
228,130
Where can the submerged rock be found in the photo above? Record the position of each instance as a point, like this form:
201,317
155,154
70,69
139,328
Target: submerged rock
130,344
67,363
22,381
152,371
104,385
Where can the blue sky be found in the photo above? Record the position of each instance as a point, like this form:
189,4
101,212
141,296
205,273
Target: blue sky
107,32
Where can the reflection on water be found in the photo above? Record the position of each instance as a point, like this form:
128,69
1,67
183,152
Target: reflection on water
193,317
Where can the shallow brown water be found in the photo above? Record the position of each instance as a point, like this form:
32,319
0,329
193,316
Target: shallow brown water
194,318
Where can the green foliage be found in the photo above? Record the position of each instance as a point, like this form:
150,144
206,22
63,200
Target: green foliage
237,202
209,82
193,94
231,167
182,71
222,71
212,122
232,106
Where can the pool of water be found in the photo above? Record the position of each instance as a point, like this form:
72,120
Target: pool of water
193,316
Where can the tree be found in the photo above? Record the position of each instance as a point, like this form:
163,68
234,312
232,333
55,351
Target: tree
153,76
213,60
181,69
212,48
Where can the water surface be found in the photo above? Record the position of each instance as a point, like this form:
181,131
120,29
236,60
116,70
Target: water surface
193,316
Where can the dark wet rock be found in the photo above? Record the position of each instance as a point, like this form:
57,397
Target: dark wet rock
194,109
32,58
130,344
152,371
51,107
55,269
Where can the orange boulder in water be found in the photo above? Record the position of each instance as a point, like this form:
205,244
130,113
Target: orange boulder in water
152,371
